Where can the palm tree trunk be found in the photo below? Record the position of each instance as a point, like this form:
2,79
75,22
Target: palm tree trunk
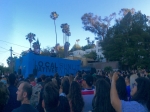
55,32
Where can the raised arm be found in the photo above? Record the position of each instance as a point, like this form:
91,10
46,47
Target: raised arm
115,101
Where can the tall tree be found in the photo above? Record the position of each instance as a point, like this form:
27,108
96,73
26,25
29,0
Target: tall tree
66,33
128,41
30,37
54,16
96,24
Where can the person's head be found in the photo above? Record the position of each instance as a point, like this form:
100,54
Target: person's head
24,92
43,77
4,95
75,97
87,81
56,75
127,80
141,91
121,88
65,85
71,78
12,79
31,77
51,96
101,100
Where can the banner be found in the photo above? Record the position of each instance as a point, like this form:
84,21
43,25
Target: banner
36,64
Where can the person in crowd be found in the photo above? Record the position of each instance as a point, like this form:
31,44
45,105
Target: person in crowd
110,76
71,78
64,87
101,100
4,79
36,88
4,96
39,107
43,77
132,78
140,93
12,102
64,91
32,79
56,76
127,80
75,98
121,88
88,92
23,95
52,102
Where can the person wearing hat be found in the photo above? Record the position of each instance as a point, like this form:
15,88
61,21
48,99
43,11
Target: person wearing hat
88,92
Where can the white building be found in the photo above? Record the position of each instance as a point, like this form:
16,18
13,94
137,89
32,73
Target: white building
99,52
97,49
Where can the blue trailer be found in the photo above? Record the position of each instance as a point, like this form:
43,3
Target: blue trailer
36,64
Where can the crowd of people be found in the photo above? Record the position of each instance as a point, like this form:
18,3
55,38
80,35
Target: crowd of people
119,91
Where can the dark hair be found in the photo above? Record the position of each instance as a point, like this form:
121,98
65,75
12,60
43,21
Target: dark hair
12,79
65,85
39,80
101,100
27,88
4,95
143,92
31,77
121,88
88,79
43,77
75,97
51,96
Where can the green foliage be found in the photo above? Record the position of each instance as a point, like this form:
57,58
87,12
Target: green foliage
89,46
11,60
75,47
91,55
128,41
108,69
4,69
60,52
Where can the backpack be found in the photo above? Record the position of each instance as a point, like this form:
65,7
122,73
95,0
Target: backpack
35,95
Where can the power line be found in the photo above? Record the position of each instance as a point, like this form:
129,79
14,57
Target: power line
14,44
4,48
9,50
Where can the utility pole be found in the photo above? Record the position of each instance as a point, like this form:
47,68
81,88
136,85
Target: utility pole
11,64
11,52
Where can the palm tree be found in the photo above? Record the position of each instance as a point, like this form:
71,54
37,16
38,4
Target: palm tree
30,37
54,16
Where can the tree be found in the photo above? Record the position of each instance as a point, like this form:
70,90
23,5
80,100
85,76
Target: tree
60,53
128,41
54,16
66,33
108,69
30,37
91,55
90,46
96,24
46,51
75,47
36,46
11,63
